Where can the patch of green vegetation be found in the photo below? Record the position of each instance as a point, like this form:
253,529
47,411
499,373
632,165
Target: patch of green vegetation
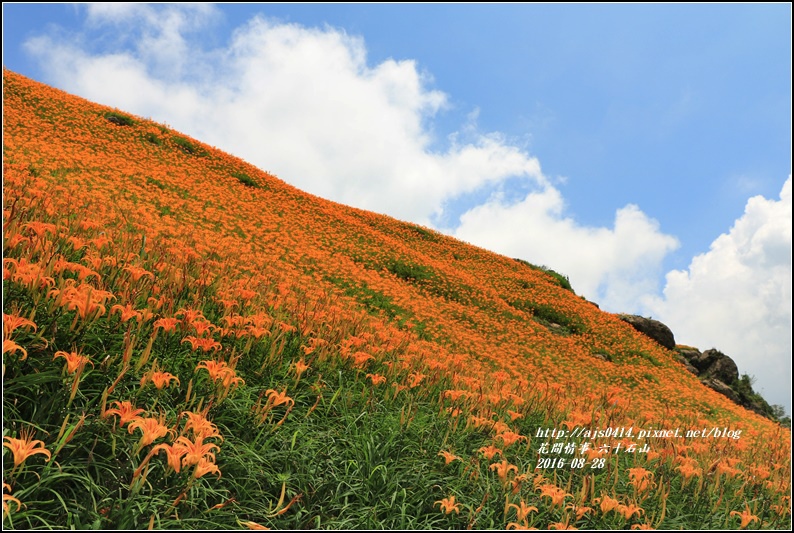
747,396
428,279
646,356
157,183
549,315
563,281
119,119
456,292
246,180
154,139
422,232
188,146
560,279
410,272
377,303
165,211
61,173
651,377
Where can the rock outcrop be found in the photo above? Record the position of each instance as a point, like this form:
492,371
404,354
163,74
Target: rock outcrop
714,369
722,388
715,364
652,328
684,354
720,373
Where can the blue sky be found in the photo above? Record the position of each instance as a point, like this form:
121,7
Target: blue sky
643,150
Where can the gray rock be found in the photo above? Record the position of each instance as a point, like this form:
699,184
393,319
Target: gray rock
721,387
720,366
684,361
688,353
652,328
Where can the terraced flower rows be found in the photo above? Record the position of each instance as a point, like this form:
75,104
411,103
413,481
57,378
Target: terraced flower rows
190,342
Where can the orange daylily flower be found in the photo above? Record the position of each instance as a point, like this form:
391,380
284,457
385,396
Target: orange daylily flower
630,510
360,359
205,466
7,498
580,510
510,437
257,332
12,322
523,510
25,446
137,273
503,468
152,429
300,368
163,379
376,379
73,360
202,327
159,378
173,454
489,451
640,478
167,324
220,371
276,398
205,343
448,505
448,457
606,503
10,346
414,378
40,229
200,426
216,369
125,411
746,516
127,311
556,494
688,470
195,450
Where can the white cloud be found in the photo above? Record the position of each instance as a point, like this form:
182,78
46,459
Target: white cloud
612,266
737,296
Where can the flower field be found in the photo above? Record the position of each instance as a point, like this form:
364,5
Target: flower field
189,342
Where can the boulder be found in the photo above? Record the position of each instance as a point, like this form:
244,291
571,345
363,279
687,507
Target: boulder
685,361
722,388
709,364
720,366
652,328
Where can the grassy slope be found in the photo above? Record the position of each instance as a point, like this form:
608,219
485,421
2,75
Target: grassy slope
464,338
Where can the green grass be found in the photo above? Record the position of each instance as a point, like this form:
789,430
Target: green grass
119,119
246,180
187,146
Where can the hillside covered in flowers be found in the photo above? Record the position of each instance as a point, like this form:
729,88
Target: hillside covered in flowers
190,342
